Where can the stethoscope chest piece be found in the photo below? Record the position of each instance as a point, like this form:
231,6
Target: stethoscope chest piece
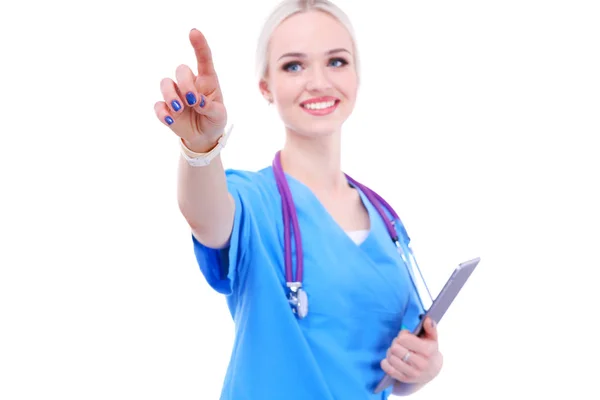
298,300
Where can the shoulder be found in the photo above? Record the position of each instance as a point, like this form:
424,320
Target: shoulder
241,176
256,181
252,188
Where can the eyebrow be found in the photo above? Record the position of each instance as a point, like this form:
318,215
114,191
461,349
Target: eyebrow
302,55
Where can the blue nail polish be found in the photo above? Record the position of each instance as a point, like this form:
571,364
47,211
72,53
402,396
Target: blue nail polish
191,98
176,106
169,120
202,102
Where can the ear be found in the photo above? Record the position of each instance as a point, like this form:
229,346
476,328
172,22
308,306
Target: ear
264,89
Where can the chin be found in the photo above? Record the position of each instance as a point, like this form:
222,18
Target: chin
318,130
309,126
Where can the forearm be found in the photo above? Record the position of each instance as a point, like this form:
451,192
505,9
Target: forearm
205,201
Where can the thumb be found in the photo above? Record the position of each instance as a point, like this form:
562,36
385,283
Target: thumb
431,329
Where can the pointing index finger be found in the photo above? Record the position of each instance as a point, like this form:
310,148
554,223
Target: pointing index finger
203,53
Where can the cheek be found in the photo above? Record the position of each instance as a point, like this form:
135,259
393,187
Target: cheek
353,84
285,91
347,83
286,96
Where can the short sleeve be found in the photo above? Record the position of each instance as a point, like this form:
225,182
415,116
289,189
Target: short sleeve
221,267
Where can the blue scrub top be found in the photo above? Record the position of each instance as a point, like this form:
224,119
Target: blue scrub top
360,296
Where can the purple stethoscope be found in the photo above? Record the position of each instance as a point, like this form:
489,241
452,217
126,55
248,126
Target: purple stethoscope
297,296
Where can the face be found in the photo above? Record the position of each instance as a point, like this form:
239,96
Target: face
311,76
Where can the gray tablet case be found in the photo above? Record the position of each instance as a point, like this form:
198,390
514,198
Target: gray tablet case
440,305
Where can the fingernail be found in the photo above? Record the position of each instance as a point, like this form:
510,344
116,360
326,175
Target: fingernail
432,323
168,120
176,106
191,98
202,102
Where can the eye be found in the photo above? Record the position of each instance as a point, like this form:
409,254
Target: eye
338,62
293,66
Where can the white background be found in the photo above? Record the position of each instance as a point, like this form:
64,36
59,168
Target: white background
494,107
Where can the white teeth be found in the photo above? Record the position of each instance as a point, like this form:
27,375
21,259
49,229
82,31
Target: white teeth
319,106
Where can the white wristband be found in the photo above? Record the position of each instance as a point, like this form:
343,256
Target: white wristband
203,159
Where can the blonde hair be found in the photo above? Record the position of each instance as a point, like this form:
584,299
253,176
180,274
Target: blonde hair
286,9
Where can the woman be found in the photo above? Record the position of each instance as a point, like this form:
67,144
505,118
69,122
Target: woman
346,324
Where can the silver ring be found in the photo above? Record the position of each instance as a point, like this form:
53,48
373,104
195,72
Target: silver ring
406,356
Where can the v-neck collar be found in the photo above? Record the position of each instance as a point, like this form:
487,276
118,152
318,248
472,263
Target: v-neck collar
372,212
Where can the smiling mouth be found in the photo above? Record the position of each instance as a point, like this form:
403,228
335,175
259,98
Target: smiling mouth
322,105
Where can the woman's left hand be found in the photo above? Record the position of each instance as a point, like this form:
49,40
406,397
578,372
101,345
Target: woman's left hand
412,359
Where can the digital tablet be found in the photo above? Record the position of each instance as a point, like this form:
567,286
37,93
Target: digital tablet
440,305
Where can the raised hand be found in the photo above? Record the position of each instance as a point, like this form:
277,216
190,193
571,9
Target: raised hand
193,104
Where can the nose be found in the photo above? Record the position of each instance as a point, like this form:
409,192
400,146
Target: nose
318,79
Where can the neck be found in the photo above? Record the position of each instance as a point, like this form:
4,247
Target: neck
316,162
